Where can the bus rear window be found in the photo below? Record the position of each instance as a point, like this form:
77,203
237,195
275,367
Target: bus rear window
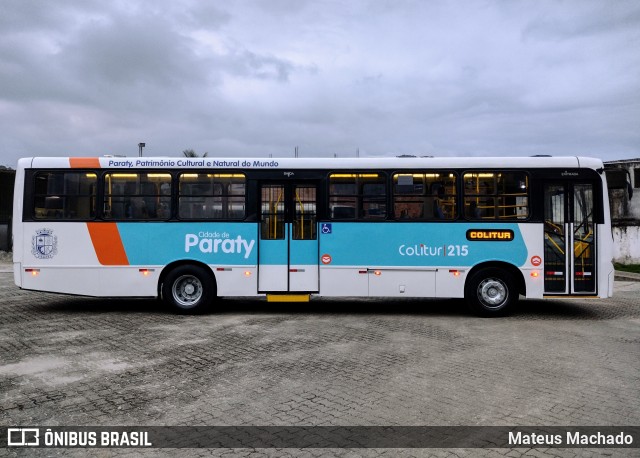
65,195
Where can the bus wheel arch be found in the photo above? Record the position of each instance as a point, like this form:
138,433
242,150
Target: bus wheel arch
492,288
187,286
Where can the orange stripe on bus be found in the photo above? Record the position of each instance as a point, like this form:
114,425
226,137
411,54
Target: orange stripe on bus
108,244
84,162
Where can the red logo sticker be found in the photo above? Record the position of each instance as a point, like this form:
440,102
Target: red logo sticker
536,261
326,259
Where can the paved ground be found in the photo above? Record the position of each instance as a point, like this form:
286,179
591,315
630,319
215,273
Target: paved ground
78,361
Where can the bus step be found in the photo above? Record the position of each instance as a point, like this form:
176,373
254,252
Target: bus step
288,297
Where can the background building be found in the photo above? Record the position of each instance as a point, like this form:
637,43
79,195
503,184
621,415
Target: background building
7,178
623,178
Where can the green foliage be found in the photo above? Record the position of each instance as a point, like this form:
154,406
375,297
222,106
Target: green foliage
191,153
635,268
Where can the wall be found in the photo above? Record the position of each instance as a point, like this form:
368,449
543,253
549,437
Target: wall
626,244
625,212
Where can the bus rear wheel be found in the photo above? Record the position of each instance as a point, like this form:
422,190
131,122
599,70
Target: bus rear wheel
491,292
188,289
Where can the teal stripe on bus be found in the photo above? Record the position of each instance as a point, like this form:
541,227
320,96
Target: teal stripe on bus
418,244
160,243
349,244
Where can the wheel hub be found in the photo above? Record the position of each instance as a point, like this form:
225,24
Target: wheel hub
492,292
187,290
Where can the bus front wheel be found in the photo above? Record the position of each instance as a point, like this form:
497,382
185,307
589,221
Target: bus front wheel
188,289
491,292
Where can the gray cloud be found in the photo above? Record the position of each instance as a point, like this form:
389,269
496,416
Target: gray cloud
258,78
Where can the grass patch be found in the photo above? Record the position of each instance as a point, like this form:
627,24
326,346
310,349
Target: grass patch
635,268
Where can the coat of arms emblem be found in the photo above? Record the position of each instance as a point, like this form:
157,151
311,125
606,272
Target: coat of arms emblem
44,244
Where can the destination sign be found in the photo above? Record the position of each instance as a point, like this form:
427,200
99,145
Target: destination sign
490,235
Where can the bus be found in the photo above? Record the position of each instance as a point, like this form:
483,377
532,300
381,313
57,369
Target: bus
191,230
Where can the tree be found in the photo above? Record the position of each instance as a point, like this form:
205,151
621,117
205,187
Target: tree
192,153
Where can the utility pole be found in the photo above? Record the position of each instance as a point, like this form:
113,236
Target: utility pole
141,145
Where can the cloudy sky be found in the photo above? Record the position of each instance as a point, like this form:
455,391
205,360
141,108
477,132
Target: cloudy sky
253,78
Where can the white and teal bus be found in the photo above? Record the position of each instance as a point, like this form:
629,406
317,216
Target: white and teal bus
189,230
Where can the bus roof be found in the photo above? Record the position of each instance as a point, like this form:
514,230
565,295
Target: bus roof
236,163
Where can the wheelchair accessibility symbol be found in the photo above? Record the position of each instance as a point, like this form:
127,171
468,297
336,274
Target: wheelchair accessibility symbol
325,228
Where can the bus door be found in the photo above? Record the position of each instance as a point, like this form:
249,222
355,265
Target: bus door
569,238
288,242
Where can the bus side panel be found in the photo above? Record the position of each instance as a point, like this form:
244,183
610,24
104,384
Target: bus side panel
64,257
605,256
230,249
130,281
61,258
420,245
344,281
450,282
126,259
532,269
402,282
420,259
236,281
605,247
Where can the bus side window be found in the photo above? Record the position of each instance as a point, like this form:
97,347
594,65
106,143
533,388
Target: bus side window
438,195
150,192
473,210
164,201
117,210
64,195
342,212
357,195
214,196
424,195
137,208
137,196
496,195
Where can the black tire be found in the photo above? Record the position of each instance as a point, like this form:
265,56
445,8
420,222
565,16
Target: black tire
491,292
188,289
